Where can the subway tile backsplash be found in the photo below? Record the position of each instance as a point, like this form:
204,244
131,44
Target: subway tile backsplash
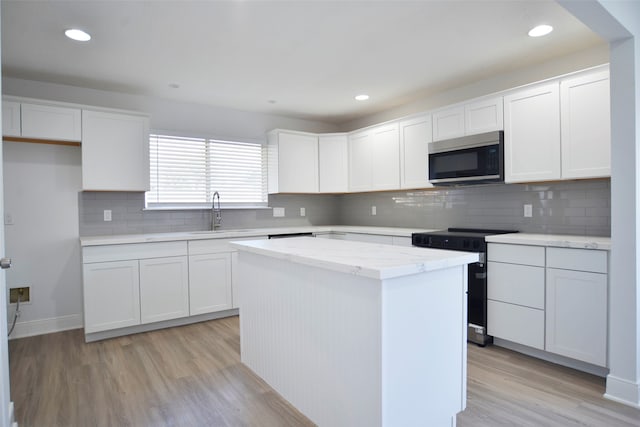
572,207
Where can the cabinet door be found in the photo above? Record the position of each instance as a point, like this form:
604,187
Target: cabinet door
209,283
164,289
484,115
333,163
115,152
111,295
360,161
50,122
386,158
11,118
576,315
586,126
448,123
297,163
532,134
415,136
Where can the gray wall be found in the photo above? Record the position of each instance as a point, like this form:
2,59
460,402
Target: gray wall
129,216
576,207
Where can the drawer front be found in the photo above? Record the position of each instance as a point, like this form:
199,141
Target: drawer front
577,259
516,254
515,323
104,253
516,284
215,246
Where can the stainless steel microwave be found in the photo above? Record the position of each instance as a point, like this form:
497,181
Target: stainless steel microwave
474,159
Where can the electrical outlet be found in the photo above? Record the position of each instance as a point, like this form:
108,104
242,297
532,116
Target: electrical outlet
303,212
278,212
528,211
24,293
107,214
8,219
374,211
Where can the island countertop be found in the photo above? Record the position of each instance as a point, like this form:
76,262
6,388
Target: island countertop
370,260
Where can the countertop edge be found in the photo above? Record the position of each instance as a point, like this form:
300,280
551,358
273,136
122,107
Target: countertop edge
553,240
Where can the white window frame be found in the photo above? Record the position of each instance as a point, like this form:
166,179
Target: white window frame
206,167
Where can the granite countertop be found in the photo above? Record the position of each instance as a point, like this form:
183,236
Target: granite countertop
370,260
553,240
249,232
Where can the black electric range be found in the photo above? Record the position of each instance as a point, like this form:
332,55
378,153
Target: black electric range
467,240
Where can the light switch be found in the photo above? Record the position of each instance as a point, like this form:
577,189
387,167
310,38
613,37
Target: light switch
107,214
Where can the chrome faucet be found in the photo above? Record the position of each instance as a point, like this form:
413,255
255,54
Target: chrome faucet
216,213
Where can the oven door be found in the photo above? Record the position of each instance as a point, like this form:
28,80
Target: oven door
468,165
477,304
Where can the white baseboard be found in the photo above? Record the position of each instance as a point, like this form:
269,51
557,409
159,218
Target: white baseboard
46,326
623,391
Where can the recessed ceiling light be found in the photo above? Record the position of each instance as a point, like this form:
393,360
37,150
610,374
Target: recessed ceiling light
78,35
540,30
362,97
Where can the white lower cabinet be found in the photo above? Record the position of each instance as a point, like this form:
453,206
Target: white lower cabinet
576,304
111,295
164,289
551,299
210,283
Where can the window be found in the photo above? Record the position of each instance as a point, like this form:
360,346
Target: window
185,172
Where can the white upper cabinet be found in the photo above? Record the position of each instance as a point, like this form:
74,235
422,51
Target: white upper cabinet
293,162
483,115
115,151
532,134
333,159
448,123
586,125
11,118
473,117
415,136
374,158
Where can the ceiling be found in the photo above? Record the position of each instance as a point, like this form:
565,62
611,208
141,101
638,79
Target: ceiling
305,59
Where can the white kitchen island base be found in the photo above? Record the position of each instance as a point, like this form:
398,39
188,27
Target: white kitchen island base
351,350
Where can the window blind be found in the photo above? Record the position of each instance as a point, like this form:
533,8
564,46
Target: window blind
187,171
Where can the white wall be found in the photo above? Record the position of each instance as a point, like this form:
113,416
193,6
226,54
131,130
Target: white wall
191,119
517,77
41,184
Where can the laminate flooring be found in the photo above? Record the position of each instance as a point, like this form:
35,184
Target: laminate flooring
192,376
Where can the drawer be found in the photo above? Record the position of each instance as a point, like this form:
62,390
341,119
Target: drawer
214,246
105,253
522,325
577,259
516,254
516,284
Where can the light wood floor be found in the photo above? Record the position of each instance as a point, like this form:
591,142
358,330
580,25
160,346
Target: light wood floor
192,376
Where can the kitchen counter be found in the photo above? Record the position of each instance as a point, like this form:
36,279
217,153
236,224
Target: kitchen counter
357,258
553,240
331,326
248,232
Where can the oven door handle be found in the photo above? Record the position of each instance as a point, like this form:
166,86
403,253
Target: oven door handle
482,276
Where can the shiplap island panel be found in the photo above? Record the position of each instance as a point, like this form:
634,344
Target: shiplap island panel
355,333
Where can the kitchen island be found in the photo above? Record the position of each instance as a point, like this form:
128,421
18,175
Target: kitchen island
356,334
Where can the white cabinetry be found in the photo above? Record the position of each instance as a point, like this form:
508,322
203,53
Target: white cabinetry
532,134
586,125
111,295
115,151
293,162
333,159
477,116
164,289
415,136
374,158
576,304
50,122
132,284
515,293
11,118
210,287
